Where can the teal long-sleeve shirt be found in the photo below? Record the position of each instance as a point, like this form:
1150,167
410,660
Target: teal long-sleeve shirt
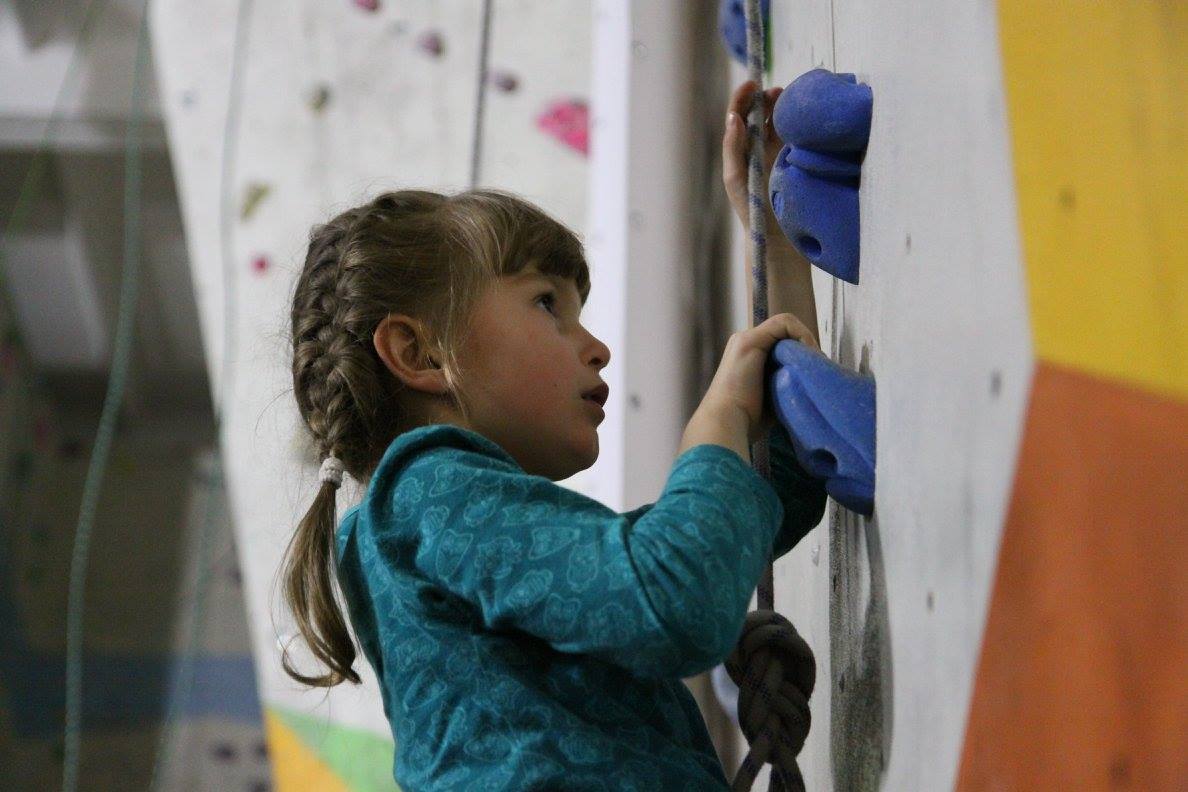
526,636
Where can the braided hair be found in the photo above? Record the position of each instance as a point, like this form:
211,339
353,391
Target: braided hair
423,254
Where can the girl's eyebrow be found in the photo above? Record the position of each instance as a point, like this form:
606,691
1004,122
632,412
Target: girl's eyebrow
556,280
537,275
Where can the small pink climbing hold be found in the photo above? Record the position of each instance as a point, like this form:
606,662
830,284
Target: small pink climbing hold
368,5
569,122
432,43
260,264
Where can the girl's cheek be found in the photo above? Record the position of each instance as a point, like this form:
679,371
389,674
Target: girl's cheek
545,383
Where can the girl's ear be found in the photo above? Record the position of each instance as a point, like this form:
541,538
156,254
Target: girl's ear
403,345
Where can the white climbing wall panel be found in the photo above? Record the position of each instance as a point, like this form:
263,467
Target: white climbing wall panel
333,103
894,607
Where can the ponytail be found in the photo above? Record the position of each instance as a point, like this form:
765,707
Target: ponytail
309,592
415,252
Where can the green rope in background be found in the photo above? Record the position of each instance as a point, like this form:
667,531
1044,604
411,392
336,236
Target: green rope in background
112,401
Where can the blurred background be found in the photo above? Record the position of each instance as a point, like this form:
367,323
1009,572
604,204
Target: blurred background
161,164
1024,291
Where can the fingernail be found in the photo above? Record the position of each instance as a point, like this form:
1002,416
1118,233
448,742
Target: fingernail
730,119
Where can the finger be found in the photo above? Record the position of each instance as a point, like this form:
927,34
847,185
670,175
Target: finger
733,146
769,100
769,331
799,331
770,97
740,100
781,326
748,99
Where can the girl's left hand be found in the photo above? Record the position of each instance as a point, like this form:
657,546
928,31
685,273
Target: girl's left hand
734,149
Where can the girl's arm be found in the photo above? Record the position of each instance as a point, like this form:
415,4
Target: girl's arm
661,591
789,290
789,280
789,274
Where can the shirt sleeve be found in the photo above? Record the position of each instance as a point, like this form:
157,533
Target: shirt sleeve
661,590
801,495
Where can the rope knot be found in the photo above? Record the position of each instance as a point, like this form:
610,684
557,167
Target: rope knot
775,672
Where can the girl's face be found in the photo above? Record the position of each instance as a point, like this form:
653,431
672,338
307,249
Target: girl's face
526,362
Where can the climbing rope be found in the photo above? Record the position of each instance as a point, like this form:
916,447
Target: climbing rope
772,665
113,400
476,150
112,403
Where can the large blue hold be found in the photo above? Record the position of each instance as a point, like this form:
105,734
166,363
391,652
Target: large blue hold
823,111
732,21
824,119
829,413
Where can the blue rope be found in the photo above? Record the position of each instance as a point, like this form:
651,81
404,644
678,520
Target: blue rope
772,665
756,199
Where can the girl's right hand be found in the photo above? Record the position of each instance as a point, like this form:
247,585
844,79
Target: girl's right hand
740,385
735,142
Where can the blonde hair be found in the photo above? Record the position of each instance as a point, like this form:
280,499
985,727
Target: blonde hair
429,256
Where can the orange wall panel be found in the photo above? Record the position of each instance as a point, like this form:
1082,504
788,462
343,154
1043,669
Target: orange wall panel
1082,682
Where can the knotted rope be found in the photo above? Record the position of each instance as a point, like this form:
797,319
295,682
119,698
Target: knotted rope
772,665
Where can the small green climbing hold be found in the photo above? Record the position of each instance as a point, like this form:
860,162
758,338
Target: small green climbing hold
253,195
319,97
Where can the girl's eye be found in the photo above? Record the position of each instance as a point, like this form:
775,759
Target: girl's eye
552,299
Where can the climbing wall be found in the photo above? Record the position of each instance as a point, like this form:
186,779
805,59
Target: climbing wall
1087,633
280,114
1013,615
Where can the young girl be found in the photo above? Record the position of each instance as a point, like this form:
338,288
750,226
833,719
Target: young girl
525,636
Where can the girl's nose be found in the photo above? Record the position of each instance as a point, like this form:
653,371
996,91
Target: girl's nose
598,353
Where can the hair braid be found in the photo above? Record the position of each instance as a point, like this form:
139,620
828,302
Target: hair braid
415,252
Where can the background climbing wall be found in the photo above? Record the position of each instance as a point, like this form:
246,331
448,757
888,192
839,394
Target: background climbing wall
271,118
1022,306
365,97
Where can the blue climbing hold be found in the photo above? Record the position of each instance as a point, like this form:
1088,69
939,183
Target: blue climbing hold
732,21
823,111
829,413
813,211
824,119
828,166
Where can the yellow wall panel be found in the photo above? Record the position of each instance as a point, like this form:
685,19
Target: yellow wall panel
294,767
1098,104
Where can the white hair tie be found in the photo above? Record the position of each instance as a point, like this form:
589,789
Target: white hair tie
332,471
